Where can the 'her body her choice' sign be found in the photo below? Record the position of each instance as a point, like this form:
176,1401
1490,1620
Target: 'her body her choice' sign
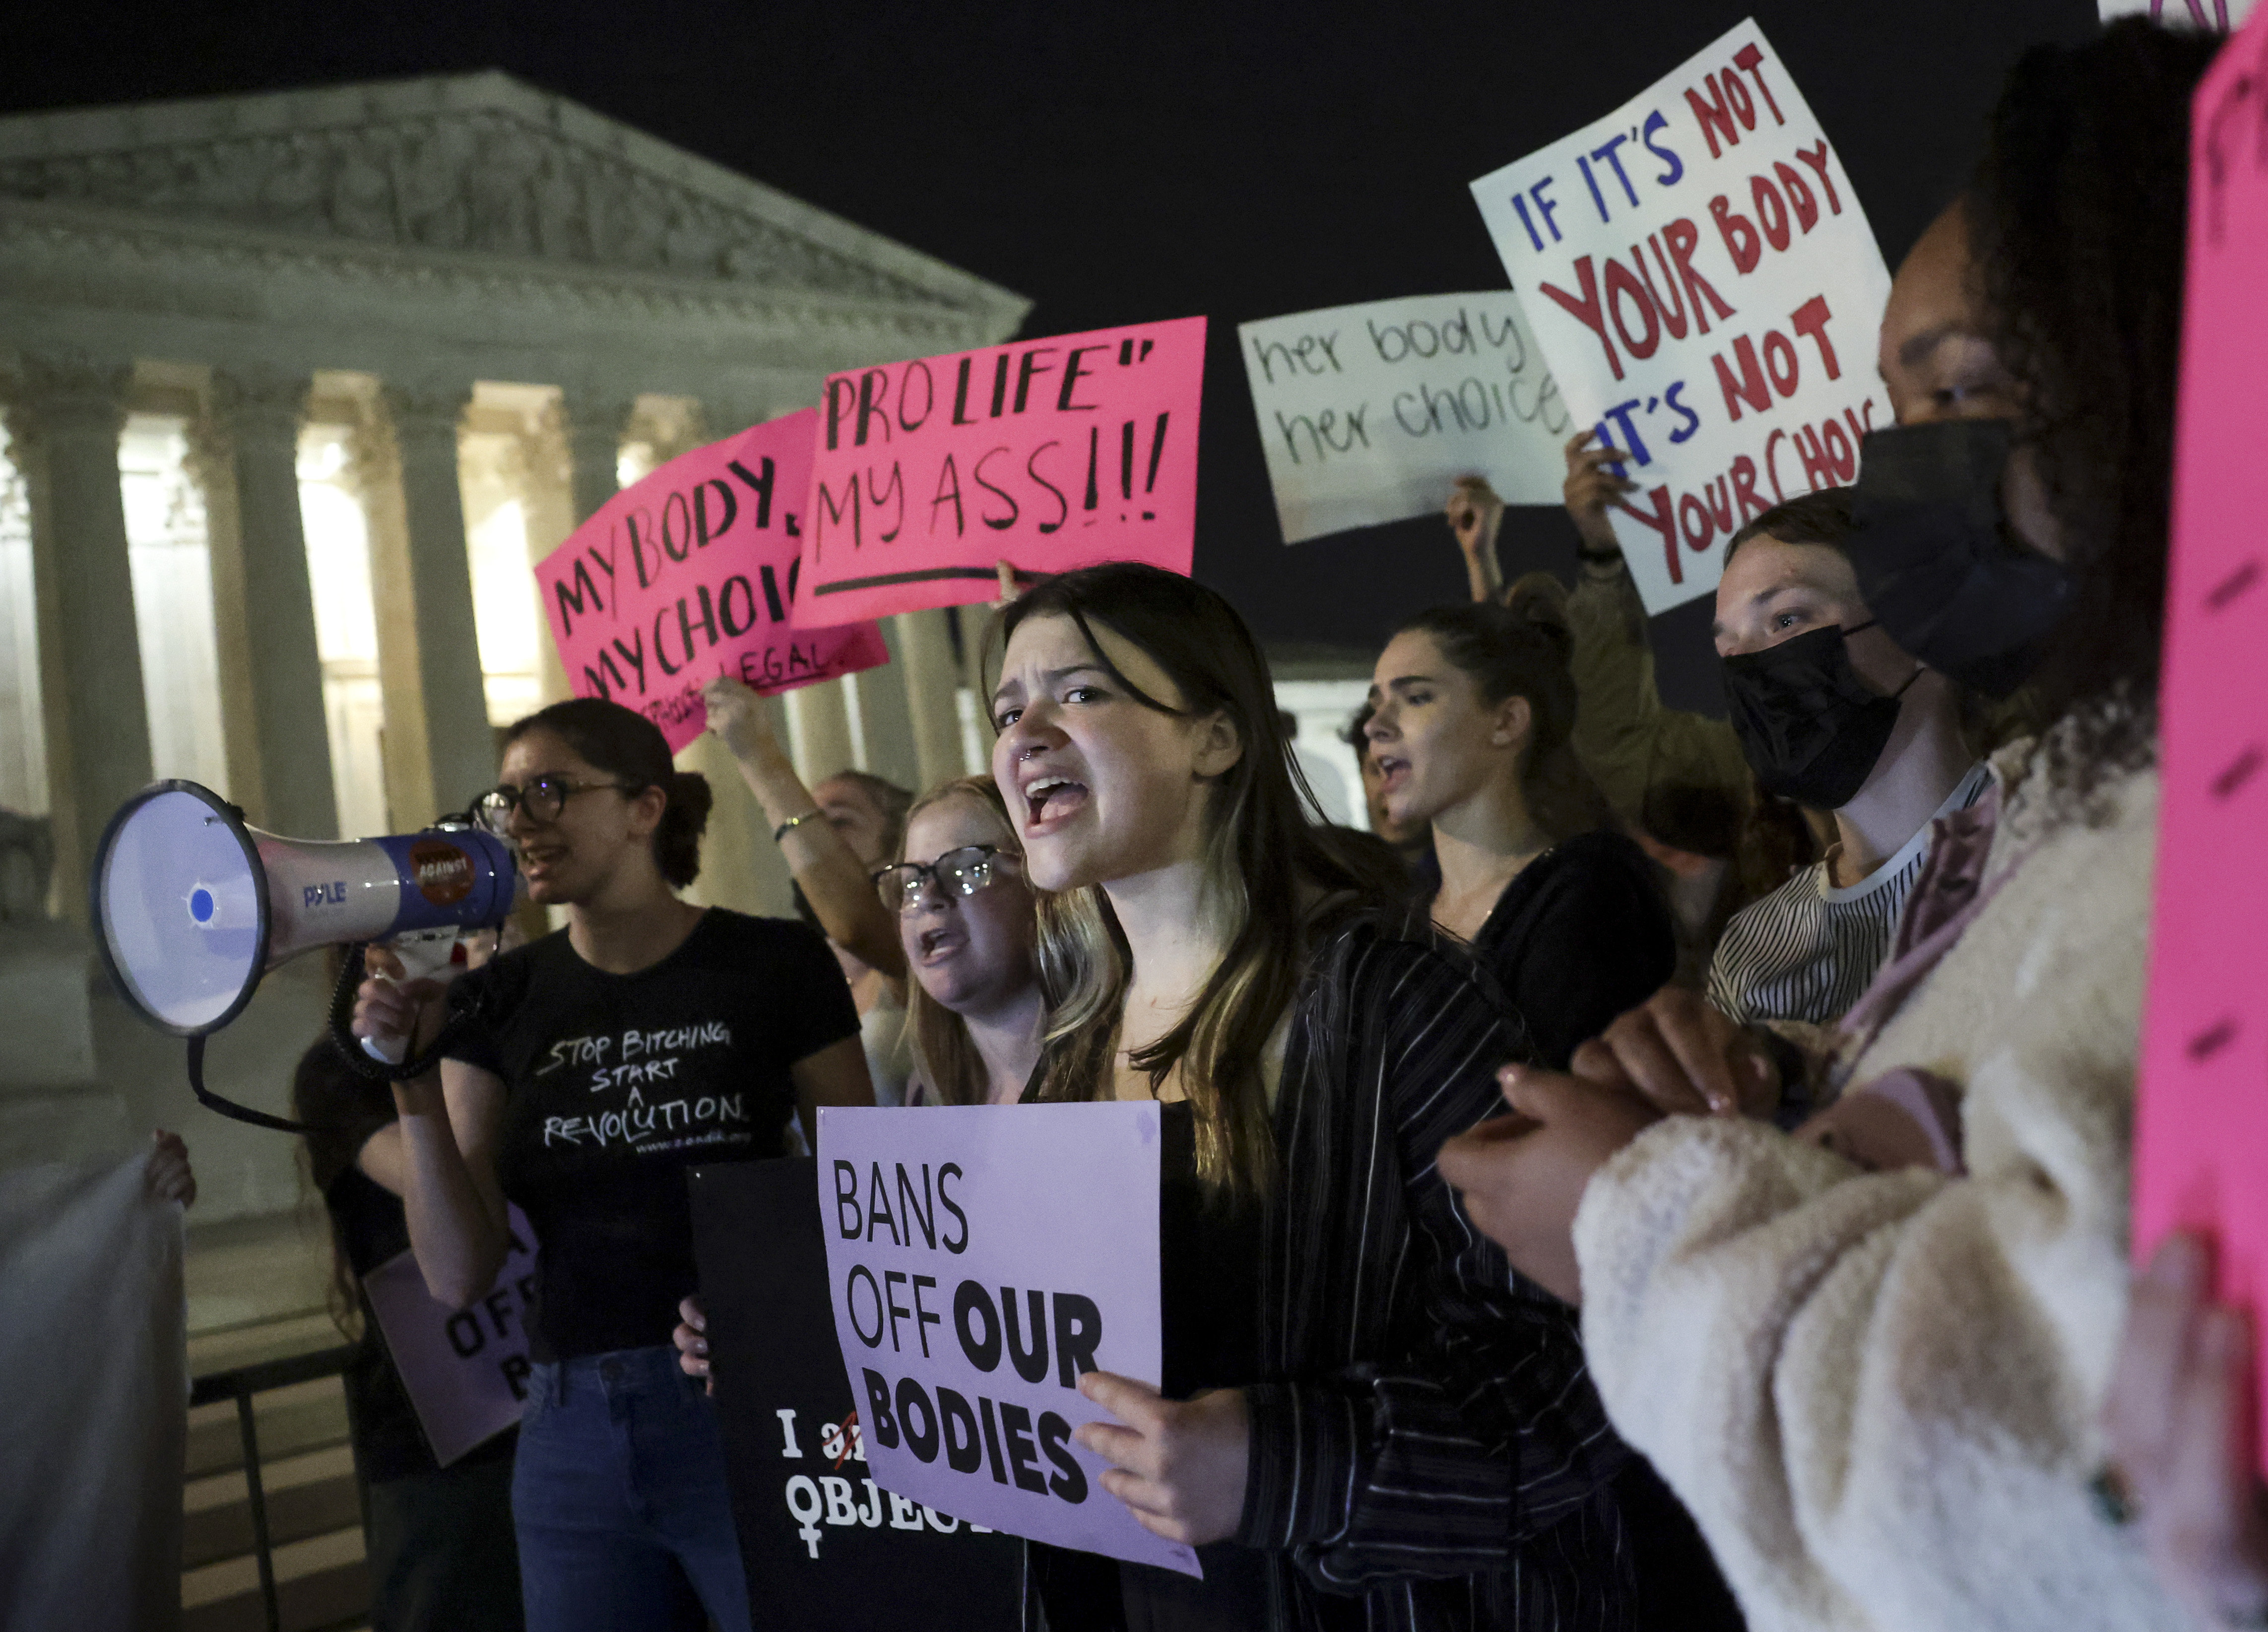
692,573
465,1369
1048,454
2201,1135
1707,292
979,1258
832,1548
1368,414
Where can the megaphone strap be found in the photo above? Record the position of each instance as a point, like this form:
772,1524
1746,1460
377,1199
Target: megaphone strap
230,1107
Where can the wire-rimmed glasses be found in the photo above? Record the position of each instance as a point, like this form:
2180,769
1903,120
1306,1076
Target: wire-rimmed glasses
954,875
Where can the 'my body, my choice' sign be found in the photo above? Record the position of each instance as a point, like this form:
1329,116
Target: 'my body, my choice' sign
980,1258
1707,292
1048,454
690,574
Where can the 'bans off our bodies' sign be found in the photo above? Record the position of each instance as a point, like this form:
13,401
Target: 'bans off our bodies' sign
690,574
1048,454
1368,414
979,1258
1707,290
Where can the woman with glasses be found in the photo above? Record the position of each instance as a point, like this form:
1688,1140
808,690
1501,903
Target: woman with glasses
966,925
832,838
585,1073
968,929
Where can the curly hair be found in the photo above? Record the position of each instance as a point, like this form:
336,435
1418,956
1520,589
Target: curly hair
2077,225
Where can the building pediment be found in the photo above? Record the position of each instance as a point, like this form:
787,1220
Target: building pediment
481,165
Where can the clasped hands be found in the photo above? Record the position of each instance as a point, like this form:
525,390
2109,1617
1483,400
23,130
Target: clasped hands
1523,1176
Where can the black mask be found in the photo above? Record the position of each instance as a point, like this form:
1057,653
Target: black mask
1809,726
1937,563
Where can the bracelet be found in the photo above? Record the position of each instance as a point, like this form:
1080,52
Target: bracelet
782,831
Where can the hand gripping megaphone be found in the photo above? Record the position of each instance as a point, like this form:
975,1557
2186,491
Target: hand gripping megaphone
191,908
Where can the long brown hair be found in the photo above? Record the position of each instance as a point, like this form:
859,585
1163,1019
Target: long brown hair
1261,853
949,1059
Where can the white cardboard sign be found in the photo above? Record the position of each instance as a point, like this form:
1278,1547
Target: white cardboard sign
1368,413
1704,284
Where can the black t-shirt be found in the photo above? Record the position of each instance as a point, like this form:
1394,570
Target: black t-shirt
1580,936
369,1227
615,1083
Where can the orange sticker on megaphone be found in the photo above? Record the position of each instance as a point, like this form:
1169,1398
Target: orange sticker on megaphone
445,873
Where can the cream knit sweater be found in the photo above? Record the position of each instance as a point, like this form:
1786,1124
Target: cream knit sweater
1877,1393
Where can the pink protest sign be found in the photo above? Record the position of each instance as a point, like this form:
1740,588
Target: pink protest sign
692,573
465,1369
2201,1137
979,1258
1048,454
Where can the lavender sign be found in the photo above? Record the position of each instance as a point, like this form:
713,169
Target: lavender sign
979,1258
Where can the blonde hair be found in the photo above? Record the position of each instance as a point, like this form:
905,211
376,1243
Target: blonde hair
947,1055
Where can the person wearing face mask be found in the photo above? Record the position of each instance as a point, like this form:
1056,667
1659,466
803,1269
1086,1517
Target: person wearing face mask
1471,707
1832,713
1871,1358
1365,1416
582,1074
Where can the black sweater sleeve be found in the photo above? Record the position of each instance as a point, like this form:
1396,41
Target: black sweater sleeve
1578,938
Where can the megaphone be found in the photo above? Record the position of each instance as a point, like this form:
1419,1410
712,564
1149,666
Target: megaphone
191,907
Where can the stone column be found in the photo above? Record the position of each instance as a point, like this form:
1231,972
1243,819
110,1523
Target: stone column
63,422
818,732
885,726
259,571
925,651
424,584
592,426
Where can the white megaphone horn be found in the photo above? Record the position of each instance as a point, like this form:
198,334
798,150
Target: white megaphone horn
191,907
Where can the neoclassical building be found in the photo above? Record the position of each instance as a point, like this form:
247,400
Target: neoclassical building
295,388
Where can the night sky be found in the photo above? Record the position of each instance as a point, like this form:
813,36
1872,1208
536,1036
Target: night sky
1122,164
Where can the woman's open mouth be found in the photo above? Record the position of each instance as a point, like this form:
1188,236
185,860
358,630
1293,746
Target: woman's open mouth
1050,800
1391,773
936,946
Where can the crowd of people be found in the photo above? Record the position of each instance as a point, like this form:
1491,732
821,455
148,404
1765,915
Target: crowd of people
1666,1173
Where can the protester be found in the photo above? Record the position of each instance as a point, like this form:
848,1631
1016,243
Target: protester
584,1074
833,838
167,1175
1875,1383
1412,840
1624,735
968,928
1835,716
969,925
2181,1439
441,1551
1359,1399
1471,711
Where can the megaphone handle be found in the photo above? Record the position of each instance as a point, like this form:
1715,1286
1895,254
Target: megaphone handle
370,1062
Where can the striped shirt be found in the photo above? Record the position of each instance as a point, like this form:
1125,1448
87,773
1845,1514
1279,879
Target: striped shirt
1806,950
1432,1441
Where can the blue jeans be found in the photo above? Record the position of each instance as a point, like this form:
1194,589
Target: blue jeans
619,1498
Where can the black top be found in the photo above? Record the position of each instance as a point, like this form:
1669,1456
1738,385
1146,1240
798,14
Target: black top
615,1083
1580,935
368,1227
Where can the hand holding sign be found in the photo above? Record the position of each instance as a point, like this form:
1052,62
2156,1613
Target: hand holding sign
690,574
1703,284
1052,454
1179,1465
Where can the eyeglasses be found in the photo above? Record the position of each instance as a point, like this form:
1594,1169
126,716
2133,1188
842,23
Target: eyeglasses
542,799
955,874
